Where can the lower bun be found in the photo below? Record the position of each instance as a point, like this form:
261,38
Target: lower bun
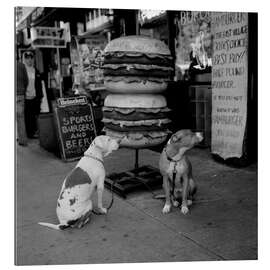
138,139
134,101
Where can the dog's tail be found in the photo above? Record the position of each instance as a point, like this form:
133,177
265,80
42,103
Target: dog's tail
53,226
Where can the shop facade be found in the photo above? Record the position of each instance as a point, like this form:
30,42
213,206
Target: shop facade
224,84
206,72
214,88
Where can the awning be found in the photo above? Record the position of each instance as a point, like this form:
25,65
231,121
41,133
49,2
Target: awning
51,15
44,18
28,18
96,31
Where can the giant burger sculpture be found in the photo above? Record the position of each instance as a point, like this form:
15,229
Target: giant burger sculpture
136,72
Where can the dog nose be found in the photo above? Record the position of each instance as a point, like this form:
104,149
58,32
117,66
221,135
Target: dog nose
199,135
118,140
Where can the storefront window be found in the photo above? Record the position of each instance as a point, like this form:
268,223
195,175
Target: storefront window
193,44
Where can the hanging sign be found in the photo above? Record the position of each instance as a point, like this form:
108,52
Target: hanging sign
76,62
48,37
229,83
87,57
91,52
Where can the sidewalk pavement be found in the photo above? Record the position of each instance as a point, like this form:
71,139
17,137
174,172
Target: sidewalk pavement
222,225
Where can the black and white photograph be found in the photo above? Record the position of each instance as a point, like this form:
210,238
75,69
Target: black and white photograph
135,135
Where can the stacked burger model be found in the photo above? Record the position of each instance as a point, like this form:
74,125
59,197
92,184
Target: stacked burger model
136,71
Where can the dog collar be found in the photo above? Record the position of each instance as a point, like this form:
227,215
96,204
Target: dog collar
169,158
93,157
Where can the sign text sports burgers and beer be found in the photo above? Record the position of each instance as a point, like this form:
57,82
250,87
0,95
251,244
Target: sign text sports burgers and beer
229,83
75,126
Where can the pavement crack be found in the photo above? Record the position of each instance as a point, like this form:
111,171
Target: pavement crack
177,232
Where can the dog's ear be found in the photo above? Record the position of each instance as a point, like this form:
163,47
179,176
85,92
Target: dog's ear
179,140
102,143
98,142
95,143
176,137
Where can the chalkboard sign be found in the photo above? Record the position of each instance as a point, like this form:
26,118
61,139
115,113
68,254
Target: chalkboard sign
75,126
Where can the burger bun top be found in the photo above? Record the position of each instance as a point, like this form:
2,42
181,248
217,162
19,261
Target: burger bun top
135,101
139,44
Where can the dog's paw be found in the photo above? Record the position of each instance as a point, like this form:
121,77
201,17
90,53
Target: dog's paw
189,202
86,221
184,209
102,210
176,203
166,209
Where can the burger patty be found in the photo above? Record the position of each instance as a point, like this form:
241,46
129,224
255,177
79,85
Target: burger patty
137,58
135,115
117,127
122,71
135,79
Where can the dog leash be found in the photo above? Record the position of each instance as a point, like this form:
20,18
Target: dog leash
111,203
174,171
112,185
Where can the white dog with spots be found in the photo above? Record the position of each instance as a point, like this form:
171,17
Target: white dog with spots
74,204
